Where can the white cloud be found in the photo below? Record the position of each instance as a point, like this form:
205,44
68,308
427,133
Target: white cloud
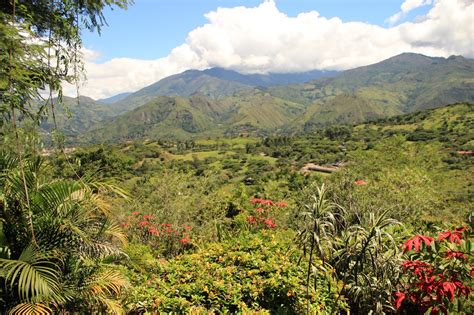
263,39
407,6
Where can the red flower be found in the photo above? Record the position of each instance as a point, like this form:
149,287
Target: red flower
153,230
255,201
270,223
400,297
267,202
147,217
360,182
454,254
124,225
143,223
184,240
453,236
251,220
415,242
136,213
264,202
166,225
281,204
259,210
187,227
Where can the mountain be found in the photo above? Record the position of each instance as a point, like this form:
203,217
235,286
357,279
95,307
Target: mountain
215,83
77,115
401,84
217,102
270,79
199,116
115,98
162,117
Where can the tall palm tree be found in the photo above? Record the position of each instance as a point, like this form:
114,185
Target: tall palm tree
55,239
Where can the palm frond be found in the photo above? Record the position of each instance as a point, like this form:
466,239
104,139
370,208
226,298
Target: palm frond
35,274
30,309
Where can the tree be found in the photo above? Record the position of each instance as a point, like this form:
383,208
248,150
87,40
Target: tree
40,45
54,233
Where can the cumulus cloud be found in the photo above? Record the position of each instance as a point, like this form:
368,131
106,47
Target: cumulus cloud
262,39
407,6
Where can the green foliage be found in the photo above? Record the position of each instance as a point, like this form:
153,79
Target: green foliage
247,274
361,252
55,237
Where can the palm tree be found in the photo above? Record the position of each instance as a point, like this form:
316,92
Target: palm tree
56,237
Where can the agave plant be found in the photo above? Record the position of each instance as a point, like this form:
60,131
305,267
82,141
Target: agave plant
55,237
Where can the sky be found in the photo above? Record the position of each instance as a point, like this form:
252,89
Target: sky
157,38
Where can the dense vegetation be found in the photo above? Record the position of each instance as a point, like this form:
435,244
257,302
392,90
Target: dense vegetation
204,207
361,218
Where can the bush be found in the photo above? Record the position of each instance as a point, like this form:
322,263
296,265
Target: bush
251,273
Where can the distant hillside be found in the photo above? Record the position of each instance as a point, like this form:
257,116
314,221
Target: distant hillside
214,83
342,109
199,116
452,125
77,115
404,83
115,98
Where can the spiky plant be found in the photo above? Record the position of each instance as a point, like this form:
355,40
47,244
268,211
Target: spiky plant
366,258
55,236
361,253
320,221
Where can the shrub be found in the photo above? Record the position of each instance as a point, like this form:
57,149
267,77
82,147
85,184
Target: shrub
437,273
252,273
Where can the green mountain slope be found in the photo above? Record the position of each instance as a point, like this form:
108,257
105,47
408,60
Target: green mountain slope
199,116
214,83
404,83
162,117
77,115
342,109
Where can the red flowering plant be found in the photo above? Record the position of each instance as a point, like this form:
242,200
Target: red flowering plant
169,239
437,273
261,216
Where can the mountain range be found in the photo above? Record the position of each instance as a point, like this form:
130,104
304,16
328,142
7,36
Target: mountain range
218,102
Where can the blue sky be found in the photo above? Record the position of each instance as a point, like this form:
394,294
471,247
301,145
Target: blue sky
157,38
150,29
